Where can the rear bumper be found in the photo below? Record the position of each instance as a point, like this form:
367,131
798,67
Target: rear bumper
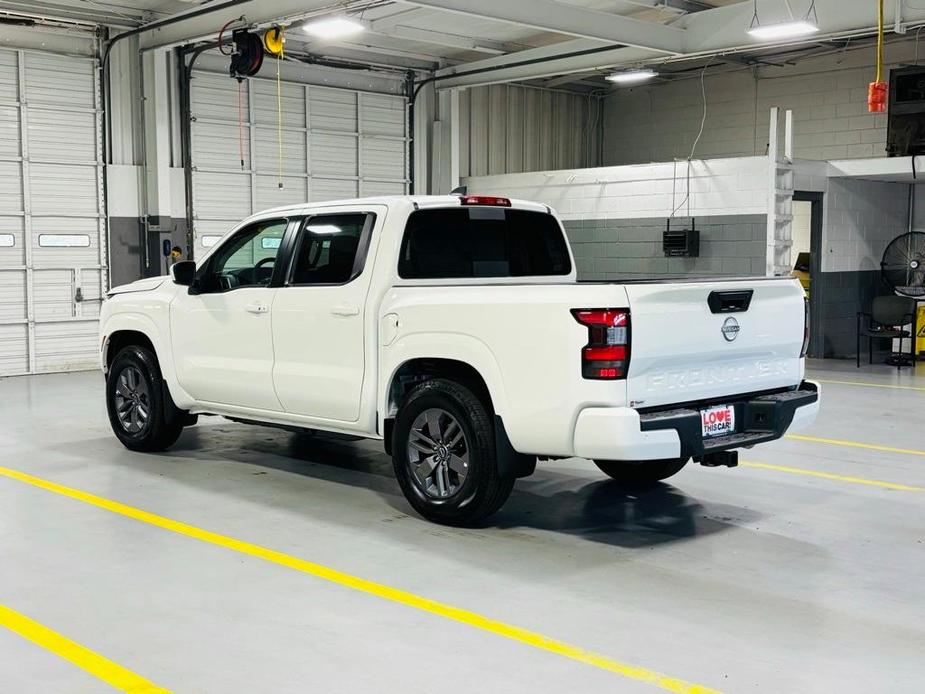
622,433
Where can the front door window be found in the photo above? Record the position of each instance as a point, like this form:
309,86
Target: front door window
246,260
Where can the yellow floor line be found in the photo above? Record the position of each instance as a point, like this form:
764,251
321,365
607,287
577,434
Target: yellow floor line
508,631
833,476
854,444
95,664
870,385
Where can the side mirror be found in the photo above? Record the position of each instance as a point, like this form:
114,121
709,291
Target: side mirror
183,273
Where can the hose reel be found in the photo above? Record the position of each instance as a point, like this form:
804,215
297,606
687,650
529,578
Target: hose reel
247,57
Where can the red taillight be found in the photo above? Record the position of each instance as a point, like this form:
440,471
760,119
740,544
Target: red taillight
490,200
806,328
607,354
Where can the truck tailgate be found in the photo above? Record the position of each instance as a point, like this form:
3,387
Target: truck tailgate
684,350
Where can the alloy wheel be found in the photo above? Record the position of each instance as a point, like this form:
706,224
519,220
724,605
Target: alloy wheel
132,399
438,453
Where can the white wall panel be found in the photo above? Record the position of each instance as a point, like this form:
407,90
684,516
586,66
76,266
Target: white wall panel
383,115
15,255
265,103
379,157
60,80
321,189
220,145
333,109
14,348
337,143
266,150
9,131
50,189
11,199
222,196
334,155
13,296
9,76
65,345
372,188
61,189
269,194
62,136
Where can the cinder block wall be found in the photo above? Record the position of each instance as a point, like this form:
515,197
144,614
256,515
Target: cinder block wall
862,217
615,216
631,248
828,95
859,219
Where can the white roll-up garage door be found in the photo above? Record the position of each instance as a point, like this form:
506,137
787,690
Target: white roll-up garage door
52,226
337,143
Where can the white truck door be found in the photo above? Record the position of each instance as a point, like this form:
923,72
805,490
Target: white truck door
220,331
318,316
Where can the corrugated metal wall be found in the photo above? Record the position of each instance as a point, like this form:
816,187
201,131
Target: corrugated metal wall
337,143
52,226
508,128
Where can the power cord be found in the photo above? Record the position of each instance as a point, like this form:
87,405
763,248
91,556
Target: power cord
703,122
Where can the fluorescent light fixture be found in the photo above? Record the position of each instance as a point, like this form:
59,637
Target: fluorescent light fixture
337,27
323,229
783,30
631,76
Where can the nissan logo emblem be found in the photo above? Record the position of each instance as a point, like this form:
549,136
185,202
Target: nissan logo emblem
730,329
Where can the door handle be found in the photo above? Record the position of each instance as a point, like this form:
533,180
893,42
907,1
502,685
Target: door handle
256,308
345,310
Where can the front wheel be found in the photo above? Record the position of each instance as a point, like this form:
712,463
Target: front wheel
141,413
443,452
642,471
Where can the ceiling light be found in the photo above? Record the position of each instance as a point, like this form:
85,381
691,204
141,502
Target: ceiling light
783,30
333,27
631,76
788,29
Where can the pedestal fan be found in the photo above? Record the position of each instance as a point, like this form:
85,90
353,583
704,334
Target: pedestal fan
903,269
903,265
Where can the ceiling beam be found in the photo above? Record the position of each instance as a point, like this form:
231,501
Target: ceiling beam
558,59
256,12
439,38
722,29
383,24
549,15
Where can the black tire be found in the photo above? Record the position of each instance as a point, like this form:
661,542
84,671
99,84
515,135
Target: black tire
481,491
641,472
163,423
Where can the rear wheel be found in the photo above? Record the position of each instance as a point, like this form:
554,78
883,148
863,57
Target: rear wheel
643,471
443,452
141,413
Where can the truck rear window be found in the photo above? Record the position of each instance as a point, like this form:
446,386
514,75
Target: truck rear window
482,242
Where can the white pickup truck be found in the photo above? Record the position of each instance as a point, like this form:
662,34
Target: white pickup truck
453,328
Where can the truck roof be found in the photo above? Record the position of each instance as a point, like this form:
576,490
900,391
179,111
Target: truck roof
418,200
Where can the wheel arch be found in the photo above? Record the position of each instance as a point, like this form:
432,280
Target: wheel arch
417,369
120,339
123,329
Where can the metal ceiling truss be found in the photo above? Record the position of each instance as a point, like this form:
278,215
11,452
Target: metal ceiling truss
719,30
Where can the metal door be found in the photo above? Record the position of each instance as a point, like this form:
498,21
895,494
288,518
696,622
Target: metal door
52,224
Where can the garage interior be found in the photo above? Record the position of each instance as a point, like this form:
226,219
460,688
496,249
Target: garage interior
672,138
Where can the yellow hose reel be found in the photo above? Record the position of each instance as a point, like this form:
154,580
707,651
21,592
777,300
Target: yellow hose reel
273,40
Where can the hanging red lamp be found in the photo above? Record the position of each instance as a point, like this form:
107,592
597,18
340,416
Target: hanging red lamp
876,97
878,91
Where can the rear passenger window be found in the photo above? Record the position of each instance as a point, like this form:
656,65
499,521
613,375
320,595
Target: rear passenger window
482,242
332,248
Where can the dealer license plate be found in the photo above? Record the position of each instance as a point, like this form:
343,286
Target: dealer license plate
718,421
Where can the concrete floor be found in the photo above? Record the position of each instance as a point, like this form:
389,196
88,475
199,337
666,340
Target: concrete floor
742,580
